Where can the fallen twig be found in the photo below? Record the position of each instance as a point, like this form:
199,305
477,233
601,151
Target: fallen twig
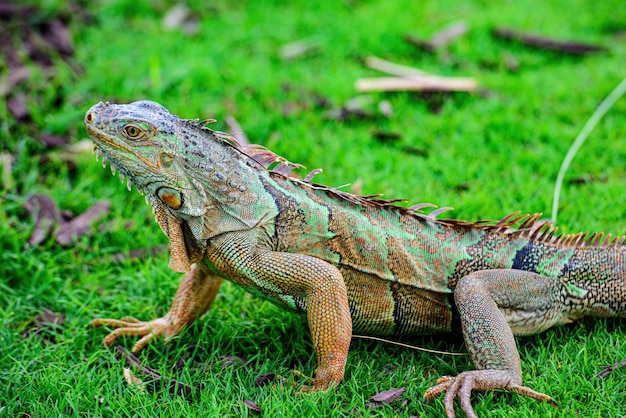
440,39
392,68
174,386
430,83
607,370
298,49
539,41
410,79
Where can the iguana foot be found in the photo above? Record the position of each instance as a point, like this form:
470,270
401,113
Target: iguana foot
479,380
324,379
131,327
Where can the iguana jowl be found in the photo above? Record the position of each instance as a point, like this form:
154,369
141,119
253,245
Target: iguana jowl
351,263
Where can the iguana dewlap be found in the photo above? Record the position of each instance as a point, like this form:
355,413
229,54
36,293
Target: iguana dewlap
350,263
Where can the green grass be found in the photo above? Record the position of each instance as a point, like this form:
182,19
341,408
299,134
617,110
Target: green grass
487,155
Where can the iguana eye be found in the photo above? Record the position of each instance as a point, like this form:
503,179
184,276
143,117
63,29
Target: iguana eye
133,132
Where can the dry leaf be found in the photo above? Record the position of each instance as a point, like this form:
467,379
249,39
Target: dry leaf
264,379
133,380
387,396
252,406
79,225
48,216
17,107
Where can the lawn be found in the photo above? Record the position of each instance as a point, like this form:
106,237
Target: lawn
486,153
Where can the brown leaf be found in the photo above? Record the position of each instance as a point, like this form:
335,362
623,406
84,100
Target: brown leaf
9,10
57,35
48,318
79,225
51,140
46,326
252,406
16,76
133,380
388,396
17,107
48,216
231,361
264,379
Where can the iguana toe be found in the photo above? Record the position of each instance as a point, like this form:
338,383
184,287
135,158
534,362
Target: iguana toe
478,380
131,327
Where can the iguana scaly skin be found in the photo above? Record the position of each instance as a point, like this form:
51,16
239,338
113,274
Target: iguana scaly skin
351,263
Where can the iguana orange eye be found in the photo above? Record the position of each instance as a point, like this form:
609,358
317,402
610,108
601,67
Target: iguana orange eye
133,131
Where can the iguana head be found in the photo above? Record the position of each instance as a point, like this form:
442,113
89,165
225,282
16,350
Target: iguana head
133,139
189,173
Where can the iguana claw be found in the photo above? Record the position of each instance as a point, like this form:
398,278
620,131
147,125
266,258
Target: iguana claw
132,327
480,380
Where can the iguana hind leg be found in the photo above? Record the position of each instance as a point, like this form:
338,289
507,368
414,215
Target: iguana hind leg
193,297
493,305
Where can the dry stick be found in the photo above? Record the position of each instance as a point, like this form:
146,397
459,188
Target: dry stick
392,68
607,370
298,49
430,83
568,47
441,38
600,111
410,78
174,386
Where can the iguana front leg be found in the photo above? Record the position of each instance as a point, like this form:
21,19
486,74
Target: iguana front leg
493,304
290,276
193,297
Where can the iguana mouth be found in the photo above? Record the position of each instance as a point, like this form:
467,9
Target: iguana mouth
123,175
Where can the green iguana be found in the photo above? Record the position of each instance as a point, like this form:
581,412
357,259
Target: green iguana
351,263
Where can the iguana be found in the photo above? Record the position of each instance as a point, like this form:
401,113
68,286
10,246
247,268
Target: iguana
352,263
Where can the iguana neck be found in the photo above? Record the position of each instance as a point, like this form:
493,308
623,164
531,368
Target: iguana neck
234,196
